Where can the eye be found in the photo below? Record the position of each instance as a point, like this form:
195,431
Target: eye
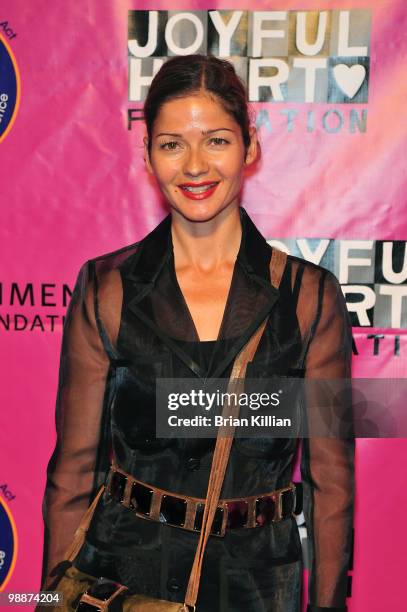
171,145
218,141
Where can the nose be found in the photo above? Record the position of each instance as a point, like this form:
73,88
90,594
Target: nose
195,163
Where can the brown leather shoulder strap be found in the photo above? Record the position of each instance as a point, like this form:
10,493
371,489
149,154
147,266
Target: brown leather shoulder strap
83,527
225,436
277,266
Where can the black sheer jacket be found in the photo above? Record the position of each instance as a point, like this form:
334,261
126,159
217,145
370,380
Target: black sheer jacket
128,324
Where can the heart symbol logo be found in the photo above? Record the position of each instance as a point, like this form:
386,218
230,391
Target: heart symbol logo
349,78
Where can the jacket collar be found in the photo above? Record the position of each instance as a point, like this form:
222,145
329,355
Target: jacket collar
152,254
156,251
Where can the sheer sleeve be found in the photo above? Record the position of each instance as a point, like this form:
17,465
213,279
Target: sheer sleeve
72,471
327,463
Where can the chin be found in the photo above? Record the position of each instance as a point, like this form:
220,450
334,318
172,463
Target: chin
200,212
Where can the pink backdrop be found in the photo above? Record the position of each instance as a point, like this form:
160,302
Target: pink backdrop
73,186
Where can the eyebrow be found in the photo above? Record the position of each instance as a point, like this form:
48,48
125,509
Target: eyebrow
204,133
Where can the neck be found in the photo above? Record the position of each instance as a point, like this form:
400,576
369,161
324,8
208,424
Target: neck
207,245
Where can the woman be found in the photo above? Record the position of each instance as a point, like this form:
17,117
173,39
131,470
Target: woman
182,303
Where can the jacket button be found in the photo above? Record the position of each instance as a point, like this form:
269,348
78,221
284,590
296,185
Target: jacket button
173,585
193,464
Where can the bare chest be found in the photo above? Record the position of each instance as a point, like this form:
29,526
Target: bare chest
206,297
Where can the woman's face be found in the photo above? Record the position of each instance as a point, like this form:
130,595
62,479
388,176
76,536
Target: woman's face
198,156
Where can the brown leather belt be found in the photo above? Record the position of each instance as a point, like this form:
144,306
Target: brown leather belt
150,502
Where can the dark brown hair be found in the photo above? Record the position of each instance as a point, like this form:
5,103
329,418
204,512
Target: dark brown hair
187,74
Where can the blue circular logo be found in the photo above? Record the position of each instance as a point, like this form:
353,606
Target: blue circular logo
9,88
8,544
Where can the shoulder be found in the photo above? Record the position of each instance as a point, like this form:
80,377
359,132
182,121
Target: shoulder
320,295
103,270
312,275
114,260
111,263
314,285
319,301
99,290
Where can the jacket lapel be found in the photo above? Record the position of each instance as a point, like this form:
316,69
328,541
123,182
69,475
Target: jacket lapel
149,294
251,296
155,298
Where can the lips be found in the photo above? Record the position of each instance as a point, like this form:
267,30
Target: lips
198,191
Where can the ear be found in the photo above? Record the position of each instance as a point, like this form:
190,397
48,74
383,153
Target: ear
251,153
147,156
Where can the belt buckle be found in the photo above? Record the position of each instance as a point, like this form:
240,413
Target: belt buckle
99,595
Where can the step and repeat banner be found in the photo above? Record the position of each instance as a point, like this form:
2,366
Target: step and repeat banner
326,82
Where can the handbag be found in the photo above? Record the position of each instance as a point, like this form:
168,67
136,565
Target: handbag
83,592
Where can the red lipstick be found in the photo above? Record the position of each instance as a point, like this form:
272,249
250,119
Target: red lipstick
198,191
